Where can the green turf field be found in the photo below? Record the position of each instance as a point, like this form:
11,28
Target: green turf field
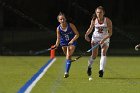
121,75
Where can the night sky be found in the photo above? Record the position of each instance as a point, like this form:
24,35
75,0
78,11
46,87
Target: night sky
19,19
121,12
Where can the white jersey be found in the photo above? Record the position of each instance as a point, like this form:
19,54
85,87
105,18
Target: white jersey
100,30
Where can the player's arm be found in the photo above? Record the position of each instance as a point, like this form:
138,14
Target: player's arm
109,27
58,38
89,30
74,29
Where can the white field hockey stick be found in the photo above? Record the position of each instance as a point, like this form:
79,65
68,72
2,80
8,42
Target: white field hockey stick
92,48
95,46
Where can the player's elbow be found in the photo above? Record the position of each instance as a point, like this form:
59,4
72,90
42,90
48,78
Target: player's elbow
77,35
110,33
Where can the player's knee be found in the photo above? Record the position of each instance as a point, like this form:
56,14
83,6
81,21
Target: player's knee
103,53
93,57
68,57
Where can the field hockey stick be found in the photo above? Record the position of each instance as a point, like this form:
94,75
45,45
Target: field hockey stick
95,46
43,51
83,54
137,47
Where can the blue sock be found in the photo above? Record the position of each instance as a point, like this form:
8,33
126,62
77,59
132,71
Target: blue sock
68,64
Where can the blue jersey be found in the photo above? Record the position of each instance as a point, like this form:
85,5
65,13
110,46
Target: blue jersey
66,35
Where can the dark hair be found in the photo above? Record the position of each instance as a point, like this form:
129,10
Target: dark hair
94,16
60,14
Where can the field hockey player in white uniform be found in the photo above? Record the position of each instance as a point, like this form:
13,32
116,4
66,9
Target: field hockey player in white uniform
102,32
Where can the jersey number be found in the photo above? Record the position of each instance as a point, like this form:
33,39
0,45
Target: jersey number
67,37
100,30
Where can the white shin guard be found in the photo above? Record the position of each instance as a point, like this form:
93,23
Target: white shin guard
102,62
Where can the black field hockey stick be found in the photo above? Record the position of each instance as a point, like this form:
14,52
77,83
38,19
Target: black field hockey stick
45,50
84,53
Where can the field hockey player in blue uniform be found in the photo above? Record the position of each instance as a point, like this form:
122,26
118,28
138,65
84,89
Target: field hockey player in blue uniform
67,34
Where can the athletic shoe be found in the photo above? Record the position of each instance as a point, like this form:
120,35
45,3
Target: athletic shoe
66,75
89,72
101,73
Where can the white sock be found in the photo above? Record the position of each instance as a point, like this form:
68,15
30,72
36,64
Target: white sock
102,62
90,62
